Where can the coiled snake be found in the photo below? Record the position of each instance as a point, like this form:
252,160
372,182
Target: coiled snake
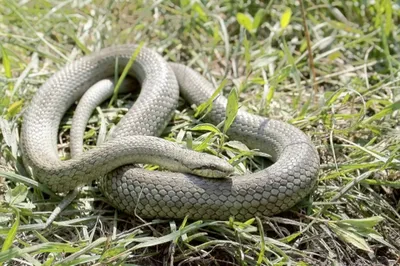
163,194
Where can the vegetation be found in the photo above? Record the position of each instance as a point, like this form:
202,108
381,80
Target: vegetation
346,97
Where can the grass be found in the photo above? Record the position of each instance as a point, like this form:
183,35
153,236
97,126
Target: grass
347,100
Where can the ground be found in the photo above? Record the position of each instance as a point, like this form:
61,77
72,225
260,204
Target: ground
345,95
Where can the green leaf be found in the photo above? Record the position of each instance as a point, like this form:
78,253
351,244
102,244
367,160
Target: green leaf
216,36
291,237
282,74
111,252
332,97
184,222
16,195
197,8
189,140
363,228
239,146
380,239
350,237
205,144
303,46
285,19
258,19
246,21
50,260
194,236
262,241
185,3
29,182
14,108
335,55
369,222
206,127
379,12
231,109
386,111
12,233
388,16
250,221
270,94
244,227
208,104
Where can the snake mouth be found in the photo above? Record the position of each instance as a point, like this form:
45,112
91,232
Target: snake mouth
212,171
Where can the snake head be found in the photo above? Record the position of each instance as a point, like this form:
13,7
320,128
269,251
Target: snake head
212,167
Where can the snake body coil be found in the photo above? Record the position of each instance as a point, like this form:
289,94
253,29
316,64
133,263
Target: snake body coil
164,194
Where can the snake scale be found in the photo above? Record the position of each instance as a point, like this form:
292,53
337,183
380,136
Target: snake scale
164,194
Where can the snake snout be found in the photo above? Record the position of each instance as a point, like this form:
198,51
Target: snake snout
213,167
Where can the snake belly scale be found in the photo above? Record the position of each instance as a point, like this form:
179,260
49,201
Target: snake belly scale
163,194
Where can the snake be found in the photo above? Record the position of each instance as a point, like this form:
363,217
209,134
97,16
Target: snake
192,184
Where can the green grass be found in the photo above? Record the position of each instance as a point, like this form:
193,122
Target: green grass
350,109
